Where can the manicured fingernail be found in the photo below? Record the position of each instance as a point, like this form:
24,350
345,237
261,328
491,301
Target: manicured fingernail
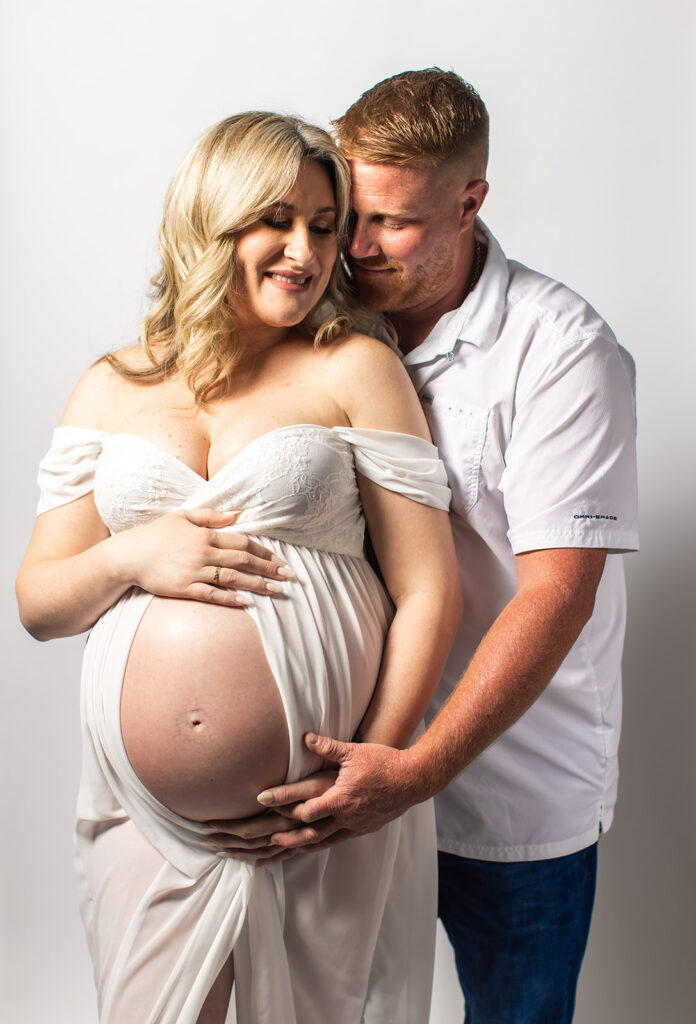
275,588
287,573
223,853
244,599
265,798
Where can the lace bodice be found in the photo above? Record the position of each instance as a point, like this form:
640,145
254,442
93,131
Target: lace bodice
296,483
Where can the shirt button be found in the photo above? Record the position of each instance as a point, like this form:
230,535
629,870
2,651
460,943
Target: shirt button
450,356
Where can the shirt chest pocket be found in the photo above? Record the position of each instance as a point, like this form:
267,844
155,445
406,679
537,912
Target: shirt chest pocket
459,431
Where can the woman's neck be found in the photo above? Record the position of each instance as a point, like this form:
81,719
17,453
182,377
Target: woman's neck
254,340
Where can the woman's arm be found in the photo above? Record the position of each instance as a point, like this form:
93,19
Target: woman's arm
65,582
74,570
415,550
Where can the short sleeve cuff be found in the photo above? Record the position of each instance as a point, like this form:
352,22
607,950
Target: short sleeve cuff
615,541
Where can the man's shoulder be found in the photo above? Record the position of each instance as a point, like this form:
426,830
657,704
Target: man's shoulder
558,312
557,315
559,327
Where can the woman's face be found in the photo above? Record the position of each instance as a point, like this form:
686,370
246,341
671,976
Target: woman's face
285,259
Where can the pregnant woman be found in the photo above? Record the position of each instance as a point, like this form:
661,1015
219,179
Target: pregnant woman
244,438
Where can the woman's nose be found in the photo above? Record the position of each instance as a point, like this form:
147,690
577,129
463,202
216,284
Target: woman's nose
298,245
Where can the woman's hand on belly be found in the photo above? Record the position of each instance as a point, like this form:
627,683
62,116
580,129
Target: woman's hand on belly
187,555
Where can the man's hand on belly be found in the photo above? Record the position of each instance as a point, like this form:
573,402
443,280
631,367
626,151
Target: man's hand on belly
280,833
373,786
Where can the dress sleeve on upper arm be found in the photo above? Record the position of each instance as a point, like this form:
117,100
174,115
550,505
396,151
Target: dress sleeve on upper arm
67,470
400,462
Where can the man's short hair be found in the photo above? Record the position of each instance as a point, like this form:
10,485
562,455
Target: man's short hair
431,115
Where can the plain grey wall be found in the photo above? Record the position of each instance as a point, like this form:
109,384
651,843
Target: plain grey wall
591,181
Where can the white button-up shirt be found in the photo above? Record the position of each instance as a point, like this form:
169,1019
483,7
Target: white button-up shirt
531,403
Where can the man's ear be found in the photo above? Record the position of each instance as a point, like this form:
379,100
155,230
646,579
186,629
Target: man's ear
472,201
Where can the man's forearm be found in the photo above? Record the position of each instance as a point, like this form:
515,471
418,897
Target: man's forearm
510,669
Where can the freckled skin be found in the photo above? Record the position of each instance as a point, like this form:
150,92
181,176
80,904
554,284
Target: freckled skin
201,717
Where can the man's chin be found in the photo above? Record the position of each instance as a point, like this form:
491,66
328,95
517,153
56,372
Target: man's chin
379,298
368,298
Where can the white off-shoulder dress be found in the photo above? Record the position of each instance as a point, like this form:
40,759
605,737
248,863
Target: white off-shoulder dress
343,935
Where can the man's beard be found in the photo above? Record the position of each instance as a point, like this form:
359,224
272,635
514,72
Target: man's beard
384,292
394,291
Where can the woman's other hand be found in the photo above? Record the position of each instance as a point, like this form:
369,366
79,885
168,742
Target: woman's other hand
189,555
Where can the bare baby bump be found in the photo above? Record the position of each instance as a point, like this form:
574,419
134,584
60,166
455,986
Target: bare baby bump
202,719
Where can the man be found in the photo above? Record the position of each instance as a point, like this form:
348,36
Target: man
530,402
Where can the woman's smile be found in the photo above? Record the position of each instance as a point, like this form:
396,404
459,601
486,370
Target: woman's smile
289,281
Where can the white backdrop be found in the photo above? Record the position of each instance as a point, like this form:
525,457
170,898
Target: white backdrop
592,180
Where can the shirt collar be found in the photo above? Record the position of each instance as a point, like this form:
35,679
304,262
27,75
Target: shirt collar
477,320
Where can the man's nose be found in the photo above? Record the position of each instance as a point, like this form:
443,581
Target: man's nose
362,244
298,245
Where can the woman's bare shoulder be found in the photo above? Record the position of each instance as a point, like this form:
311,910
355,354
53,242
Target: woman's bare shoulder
361,352
374,387
353,341
94,397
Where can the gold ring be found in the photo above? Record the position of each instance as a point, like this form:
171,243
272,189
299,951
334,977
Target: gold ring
216,577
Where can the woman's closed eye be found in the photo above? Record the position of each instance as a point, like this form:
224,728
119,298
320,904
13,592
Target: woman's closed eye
284,224
276,222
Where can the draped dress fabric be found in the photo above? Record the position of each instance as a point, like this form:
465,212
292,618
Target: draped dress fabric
345,934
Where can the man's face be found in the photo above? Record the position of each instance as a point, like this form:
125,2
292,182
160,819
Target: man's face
406,250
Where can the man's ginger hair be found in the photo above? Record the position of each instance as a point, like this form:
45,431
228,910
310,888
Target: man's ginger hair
431,116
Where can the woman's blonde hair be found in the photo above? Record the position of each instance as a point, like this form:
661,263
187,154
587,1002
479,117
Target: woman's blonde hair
237,170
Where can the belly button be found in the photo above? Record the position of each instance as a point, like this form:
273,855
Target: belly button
195,719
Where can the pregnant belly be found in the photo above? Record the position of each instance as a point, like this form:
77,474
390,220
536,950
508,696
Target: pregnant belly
202,719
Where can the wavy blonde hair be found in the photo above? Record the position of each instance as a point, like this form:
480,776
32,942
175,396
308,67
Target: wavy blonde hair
235,172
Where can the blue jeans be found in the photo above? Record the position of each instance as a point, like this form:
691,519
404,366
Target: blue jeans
519,931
